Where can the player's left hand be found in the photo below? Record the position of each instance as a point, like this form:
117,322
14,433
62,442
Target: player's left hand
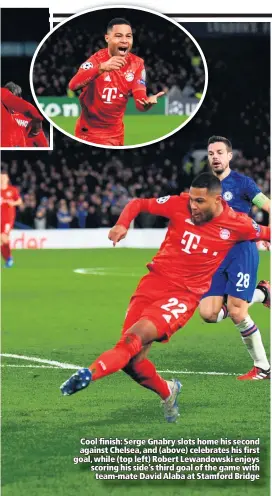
10,203
35,127
151,100
117,233
267,245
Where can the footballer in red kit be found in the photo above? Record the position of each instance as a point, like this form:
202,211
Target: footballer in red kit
33,133
107,79
10,199
12,135
202,229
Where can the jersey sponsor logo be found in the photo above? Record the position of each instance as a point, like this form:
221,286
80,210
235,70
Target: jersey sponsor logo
224,234
109,94
107,78
21,122
227,196
191,241
163,199
86,65
256,226
129,75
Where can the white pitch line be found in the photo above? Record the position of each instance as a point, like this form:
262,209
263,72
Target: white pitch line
32,366
42,360
60,365
194,372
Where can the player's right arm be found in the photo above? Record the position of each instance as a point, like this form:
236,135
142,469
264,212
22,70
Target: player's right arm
165,207
17,104
91,69
247,229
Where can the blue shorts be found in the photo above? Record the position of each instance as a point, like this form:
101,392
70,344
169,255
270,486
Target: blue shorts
237,274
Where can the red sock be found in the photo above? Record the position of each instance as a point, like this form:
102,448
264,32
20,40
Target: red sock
5,251
117,358
144,372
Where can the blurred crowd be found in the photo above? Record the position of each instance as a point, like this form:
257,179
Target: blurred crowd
77,186
80,186
170,56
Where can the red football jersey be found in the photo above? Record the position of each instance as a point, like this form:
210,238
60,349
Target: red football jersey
190,254
8,212
25,123
11,133
104,99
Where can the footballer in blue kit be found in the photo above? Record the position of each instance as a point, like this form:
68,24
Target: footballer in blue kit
236,278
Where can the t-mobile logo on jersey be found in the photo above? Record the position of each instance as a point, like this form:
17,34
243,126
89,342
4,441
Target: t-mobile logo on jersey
110,94
191,241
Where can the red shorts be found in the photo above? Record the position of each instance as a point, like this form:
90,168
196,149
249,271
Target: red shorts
6,226
166,305
97,136
100,140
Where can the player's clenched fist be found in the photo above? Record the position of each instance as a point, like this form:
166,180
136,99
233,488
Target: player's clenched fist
117,233
113,64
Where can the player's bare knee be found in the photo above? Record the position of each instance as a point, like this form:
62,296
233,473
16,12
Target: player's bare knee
4,239
208,314
209,317
237,313
209,309
237,309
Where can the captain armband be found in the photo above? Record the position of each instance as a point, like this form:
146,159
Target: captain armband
260,200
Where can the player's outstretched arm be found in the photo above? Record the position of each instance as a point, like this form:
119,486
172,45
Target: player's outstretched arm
90,70
13,102
166,207
117,233
146,103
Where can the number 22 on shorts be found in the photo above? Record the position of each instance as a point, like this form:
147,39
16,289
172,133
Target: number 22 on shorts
174,308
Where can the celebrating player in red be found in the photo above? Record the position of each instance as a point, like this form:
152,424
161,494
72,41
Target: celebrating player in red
25,124
107,78
202,229
9,200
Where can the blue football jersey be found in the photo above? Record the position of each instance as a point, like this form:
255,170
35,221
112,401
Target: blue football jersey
239,191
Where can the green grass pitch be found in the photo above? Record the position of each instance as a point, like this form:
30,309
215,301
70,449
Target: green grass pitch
51,312
138,128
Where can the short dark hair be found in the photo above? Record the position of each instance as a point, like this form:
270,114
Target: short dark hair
220,139
117,20
14,88
209,181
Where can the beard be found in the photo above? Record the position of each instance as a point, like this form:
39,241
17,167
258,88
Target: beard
218,172
202,217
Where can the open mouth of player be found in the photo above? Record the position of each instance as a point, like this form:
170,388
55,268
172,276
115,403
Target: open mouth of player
196,217
122,51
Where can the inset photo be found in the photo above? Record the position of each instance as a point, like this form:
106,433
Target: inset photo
22,124
119,77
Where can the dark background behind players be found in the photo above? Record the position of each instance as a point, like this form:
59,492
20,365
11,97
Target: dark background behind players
96,184
170,55
21,32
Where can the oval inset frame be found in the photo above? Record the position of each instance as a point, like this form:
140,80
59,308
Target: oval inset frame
125,146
